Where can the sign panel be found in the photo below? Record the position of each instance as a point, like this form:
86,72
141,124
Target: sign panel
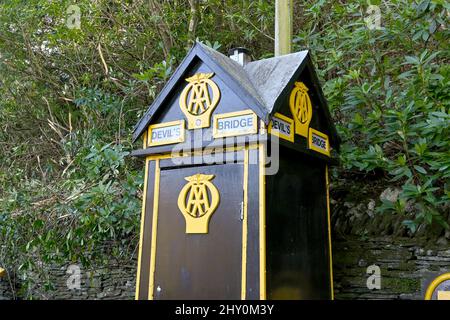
165,133
319,142
282,126
443,295
235,124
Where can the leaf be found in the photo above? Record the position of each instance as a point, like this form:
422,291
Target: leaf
411,225
422,6
428,217
420,169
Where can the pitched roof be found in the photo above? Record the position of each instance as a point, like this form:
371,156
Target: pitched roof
271,76
262,84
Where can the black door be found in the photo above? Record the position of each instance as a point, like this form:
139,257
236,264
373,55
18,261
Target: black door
199,265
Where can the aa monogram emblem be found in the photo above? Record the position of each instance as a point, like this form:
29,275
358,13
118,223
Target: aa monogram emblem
197,202
198,100
300,105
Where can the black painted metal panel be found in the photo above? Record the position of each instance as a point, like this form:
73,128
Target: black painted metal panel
253,266
297,230
200,266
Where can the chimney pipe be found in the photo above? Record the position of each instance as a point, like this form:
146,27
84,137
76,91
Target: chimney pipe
240,55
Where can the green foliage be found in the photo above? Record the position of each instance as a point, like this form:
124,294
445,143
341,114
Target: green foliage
69,99
388,89
92,213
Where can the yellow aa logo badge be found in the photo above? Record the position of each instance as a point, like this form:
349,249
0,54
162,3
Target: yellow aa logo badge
300,105
197,202
198,100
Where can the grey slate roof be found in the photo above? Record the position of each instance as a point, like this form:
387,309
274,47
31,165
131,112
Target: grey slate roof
271,76
261,84
235,70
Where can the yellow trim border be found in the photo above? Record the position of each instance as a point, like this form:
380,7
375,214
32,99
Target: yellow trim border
434,284
278,133
144,140
244,228
262,223
154,230
327,183
323,136
180,123
233,133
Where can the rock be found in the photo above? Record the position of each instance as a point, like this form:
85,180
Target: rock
362,263
390,194
409,296
371,208
442,241
444,253
447,234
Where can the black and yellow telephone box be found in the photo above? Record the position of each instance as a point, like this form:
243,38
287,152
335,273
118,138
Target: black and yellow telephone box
235,202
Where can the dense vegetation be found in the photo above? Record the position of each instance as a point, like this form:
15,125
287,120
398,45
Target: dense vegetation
69,98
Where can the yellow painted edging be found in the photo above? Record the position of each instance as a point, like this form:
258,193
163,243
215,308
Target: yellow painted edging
234,132
262,223
433,285
141,237
329,231
144,140
154,230
244,228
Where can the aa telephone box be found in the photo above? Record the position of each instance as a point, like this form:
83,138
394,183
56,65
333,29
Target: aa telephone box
235,202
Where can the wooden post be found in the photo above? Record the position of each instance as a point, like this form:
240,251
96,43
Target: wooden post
283,26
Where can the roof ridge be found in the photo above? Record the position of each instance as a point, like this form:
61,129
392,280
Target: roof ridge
237,65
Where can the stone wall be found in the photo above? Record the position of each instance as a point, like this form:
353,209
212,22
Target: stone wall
111,281
407,266
363,237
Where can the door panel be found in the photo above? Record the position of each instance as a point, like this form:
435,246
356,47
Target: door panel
200,266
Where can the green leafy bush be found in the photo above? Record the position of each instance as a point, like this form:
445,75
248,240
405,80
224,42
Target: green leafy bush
388,89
